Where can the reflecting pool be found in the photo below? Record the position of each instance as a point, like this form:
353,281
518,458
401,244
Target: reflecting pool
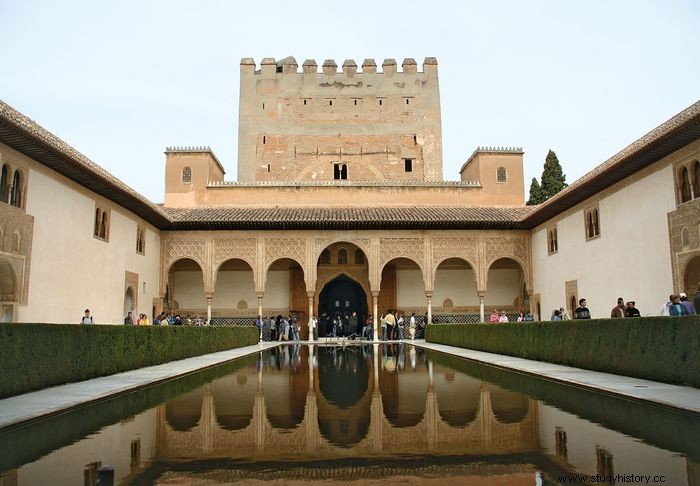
366,413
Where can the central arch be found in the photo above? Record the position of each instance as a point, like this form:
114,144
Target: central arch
343,295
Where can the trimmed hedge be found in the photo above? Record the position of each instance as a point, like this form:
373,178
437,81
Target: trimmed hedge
665,349
34,356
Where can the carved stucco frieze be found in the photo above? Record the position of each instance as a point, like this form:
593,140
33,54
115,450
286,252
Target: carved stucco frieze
444,248
195,249
294,248
507,248
241,248
411,248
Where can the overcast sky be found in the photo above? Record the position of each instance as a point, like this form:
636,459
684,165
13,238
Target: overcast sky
122,80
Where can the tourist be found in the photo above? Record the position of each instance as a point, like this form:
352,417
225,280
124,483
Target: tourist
87,318
352,324
494,316
564,316
128,320
665,308
198,321
696,298
399,325
677,309
382,322
582,311
390,324
369,327
283,329
528,317
556,316
619,310
521,317
503,317
412,326
631,310
689,307
312,327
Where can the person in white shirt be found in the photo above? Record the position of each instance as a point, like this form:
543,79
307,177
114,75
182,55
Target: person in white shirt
503,318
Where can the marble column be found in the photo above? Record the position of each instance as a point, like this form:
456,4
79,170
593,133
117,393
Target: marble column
260,316
482,296
375,318
310,295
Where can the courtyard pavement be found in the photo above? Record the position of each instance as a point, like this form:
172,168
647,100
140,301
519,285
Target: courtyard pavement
57,399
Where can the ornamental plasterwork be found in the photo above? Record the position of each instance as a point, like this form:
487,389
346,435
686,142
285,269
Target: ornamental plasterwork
242,248
444,248
294,248
320,244
186,248
412,248
507,248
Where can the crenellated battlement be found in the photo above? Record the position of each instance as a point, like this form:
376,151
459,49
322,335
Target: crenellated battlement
329,67
199,148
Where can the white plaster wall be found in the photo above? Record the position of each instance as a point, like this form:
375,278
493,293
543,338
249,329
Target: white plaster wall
502,287
111,446
410,291
189,290
232,287
71,269
630,259
630,456
457,285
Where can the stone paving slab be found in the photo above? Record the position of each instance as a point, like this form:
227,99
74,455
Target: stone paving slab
685,398
49,401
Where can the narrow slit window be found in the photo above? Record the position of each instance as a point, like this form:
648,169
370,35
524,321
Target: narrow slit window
355,102
408,165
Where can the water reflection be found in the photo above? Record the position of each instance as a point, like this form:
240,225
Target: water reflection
323,408
334,400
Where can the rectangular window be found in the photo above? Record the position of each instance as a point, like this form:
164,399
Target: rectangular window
560,443
90,473
592,222
604,462
552,241
340,171
408,165
140,240
135,454
101,227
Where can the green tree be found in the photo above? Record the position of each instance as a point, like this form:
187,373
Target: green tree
536,195
553,178
553,181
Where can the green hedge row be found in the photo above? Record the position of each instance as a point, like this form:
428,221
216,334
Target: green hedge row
34,356
665,349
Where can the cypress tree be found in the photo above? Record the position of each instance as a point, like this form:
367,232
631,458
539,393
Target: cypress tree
553,178
536,195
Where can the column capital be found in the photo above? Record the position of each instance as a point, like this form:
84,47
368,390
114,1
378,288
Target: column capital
209,296
260,295
375,293
481,294
429,294
310,294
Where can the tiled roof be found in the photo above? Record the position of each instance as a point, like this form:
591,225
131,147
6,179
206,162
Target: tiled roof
662,141
27,137
350,218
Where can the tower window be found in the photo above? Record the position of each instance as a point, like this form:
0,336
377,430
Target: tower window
340,171
408,165
330,102
380,102
501,175
268,167
355,102
407,101
186,175
264,139
263,106
304,102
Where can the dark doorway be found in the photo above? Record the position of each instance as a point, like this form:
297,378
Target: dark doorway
342,295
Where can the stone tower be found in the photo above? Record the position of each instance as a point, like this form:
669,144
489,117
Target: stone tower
330,125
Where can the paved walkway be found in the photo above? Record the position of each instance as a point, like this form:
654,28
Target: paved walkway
682,397
21,408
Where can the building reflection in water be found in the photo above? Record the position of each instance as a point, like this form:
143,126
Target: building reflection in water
316,412
333,401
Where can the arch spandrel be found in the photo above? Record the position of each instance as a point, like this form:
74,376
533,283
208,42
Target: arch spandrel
516,249
181,248
280,248
226,249
410,248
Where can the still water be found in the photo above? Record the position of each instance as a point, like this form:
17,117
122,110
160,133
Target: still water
391,413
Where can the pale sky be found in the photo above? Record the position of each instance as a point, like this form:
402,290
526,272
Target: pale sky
122,80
